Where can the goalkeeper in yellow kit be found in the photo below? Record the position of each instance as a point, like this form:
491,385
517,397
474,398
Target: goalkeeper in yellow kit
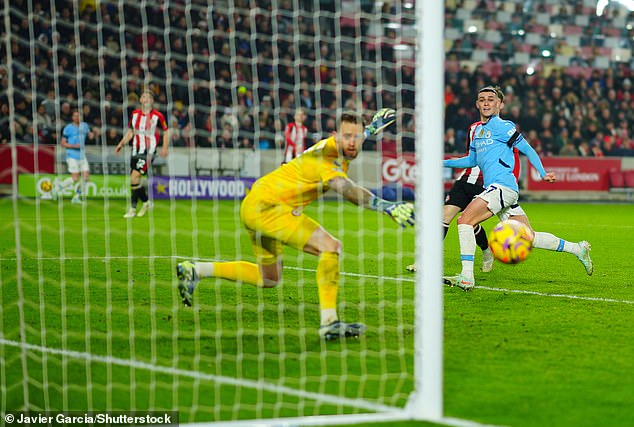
272,214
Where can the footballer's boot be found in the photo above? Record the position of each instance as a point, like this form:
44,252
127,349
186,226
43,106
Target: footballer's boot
584,257
463,282
187,281
130,213
76,199
146,207
487,260
339,329
411,268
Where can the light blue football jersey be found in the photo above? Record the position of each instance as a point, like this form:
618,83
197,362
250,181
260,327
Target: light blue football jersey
76,135
490,151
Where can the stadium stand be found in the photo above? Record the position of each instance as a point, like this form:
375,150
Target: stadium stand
566,72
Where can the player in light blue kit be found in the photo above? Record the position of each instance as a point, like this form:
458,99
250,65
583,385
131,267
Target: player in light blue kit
74,140
492,151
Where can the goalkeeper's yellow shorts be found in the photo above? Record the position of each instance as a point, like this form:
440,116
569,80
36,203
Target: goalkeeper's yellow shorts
272,224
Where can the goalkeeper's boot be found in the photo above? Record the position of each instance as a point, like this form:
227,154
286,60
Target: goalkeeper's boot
487,260
584,257
382,119
463,282
339,329
411,268
187,281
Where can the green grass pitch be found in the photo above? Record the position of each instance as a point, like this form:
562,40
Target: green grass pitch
96,322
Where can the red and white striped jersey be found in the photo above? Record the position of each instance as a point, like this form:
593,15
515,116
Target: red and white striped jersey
295,137
474,175
146,134
471,175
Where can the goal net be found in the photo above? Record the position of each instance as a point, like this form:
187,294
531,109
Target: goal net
90,315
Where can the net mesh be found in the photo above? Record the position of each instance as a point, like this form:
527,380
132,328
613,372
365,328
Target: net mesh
91,319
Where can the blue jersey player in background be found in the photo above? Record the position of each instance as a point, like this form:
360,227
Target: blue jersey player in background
491,150
73,140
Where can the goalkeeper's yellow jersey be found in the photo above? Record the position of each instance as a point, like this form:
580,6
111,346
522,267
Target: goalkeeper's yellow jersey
304,178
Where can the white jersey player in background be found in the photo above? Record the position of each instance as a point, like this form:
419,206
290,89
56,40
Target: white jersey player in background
144,132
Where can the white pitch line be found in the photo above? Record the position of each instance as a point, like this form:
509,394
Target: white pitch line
486,288
252,384
365,276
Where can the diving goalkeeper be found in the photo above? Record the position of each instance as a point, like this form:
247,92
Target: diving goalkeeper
273,215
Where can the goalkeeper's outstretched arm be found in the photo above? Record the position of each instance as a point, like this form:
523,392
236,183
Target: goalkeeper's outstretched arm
401,212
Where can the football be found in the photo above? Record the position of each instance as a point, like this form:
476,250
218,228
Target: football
511,241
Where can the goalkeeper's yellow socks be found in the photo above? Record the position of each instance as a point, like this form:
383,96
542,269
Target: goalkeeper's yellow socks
242,271
328,285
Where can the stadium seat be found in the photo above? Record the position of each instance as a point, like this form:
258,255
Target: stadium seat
503,16
521,58
542,18
533,39
582,20
453,34
207,161
448,45
562,60
508,6
602,62
621,55
493,36
477,23
230,162
611,42
629,178
617,179
573,30
556,29
463,14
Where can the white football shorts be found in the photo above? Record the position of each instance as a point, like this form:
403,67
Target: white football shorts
502,201
76,166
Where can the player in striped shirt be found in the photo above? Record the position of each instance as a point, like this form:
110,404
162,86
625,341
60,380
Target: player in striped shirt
143,131
273,216
295,136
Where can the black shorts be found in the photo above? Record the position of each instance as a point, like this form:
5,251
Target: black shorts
462,193
140,163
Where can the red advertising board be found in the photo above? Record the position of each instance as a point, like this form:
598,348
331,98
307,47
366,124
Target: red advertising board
29,160
574,174
401,170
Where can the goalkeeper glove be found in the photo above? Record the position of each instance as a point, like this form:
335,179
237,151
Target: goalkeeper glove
382,119
401,212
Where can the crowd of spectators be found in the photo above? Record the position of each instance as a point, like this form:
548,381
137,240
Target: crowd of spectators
231,74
